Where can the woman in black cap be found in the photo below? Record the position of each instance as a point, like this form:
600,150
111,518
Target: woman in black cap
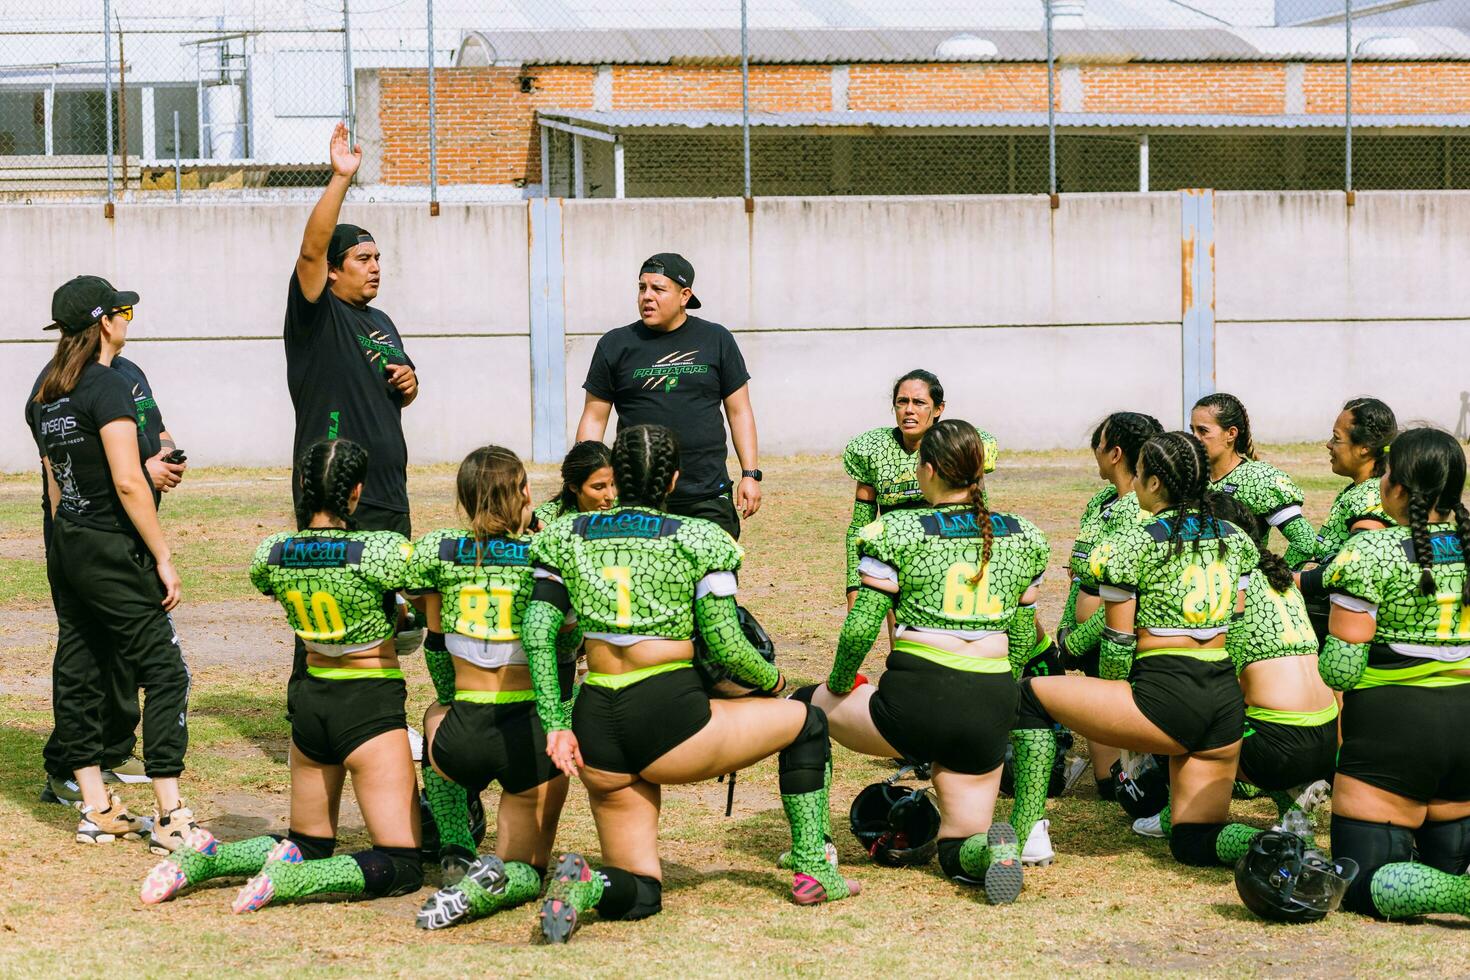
112,576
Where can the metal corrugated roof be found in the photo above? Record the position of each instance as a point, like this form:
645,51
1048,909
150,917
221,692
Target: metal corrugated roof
698,119
854,46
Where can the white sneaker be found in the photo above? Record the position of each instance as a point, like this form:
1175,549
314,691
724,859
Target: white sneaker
1038,850
1075,768
1149,826
1314,795
415,744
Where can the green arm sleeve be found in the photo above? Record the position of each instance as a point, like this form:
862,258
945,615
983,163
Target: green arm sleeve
1237,642
1083,638
568,642
539,631
859,631
864,512
1342,663
719,624
1302,541
1022,636
1069,611
1115,659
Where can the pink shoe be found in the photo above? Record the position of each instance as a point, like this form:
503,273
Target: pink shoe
169,876
256,895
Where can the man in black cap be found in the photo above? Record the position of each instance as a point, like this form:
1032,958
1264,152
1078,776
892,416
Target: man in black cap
670,368
120,711
345,366
347,372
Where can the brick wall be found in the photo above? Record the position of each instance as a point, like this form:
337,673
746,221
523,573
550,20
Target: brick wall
488,133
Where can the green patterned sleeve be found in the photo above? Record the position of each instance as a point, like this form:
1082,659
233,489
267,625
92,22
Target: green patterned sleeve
539,631
259,571
1352,571
1115,657
991,447
422,576
1302,541
719,624
1083,638
864,512
857,463
859,632
1342,663
1237,636
1022,638
568,642
391,554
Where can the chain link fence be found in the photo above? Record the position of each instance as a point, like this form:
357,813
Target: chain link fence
130,100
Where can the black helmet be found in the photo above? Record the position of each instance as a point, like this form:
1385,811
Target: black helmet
429,830
717,680
895,824
1281,880
1143,790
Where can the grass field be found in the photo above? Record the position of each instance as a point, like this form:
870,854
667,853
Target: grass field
1112,903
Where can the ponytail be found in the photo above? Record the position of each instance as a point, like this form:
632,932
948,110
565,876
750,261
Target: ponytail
74,351
954,449
329,470
1430,466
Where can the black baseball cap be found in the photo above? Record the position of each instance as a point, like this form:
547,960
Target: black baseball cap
345,237
677,268
78,304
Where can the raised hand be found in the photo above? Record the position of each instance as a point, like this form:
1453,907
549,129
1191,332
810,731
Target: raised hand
345,158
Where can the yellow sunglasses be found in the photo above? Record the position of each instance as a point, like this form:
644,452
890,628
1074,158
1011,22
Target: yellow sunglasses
126,312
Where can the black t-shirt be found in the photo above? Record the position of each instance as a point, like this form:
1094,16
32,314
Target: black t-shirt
337,356
150,425
679,379
68,432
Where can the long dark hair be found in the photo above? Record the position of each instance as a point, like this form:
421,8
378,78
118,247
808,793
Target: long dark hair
1178,460
954,449
644,460
1230,413
490,489
1127,431
74,351
1430,466
1272,565
582,460
330,468
936,390
1374,426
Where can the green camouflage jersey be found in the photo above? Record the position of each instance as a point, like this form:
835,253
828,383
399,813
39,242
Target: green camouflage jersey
1274,624
633,571
483,586
878,459
1354,502
934,553
1376,572
336,586
1112,514
1190,593
1276,501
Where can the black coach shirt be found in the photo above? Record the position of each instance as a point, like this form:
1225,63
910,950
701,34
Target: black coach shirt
679,379
68,431
337,357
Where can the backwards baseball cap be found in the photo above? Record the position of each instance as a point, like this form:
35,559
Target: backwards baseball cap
78,304
345,237
677,268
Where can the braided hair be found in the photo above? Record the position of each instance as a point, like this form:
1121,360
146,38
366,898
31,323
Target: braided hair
1272,565
1127,431
954,449
644,461
582,460
1430,466
1178,460
490,489
1374,426
330,469
1230,413
936,390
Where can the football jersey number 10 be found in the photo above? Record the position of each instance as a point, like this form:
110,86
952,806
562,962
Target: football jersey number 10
325,615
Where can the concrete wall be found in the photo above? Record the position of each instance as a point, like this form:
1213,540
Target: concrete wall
1038,320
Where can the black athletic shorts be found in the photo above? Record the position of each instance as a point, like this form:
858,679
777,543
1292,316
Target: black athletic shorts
480,742
1408,740
332,717
961,719
1195,702
1277,755
624,728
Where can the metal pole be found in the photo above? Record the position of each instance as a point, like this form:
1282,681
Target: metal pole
1143,163
107,108
1051,115
349,110
433,125
1348,101
178,185
122,106
745,96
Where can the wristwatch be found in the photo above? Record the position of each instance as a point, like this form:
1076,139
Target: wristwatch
752,474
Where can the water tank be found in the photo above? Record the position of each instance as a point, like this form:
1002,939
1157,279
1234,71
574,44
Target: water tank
964,47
